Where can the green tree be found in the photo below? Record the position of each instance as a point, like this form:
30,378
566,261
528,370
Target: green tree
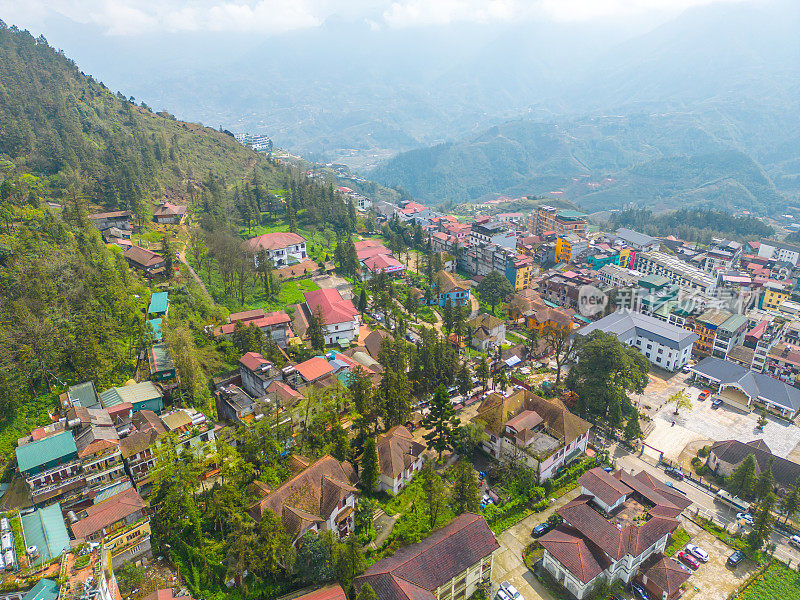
632,428
765,483
466,492
366,593
362,301
316,331
434,493
483,372
605,372
469,437
464,379
743,478
763,524
442,422
790,504
681,400
494,289
349,562
447,315
168,252
369,465
314,561
558,341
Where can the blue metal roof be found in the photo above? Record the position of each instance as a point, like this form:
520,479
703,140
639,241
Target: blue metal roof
159,302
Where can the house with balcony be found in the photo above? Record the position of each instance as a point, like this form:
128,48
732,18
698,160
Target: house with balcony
452,563
321,497
448,286
257,374
50,466
150,263
399,459
138,448
340,317
487,331
192,430
540,432
617,529
101,457
168,213
282,248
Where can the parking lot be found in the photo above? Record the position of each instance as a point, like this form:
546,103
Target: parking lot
703,424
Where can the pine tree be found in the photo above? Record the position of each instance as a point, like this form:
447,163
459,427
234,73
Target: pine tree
466,492
362,301
765,482
434,493
168,253
464,379
366,593
442,422
743,478
316,331
483,372
369,466
632,428
764,523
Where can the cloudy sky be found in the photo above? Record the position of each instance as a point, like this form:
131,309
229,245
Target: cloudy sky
131,17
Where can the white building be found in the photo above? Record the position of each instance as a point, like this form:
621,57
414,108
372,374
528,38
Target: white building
399,459
677,271
283,248
782,251
493,232
665,345
339,315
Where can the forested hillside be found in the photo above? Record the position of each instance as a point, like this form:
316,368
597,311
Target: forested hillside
660,161
82,138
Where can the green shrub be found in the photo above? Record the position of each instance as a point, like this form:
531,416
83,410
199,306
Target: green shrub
703,452
696,462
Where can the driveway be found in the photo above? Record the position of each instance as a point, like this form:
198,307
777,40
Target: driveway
335,282
702,423
714,580
508,565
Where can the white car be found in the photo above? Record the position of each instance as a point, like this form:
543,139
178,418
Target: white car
503,595
697,552
747,518
795,541
511,591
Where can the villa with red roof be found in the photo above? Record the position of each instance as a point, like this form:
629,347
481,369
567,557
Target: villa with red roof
275,324
283,248
616,529
339,315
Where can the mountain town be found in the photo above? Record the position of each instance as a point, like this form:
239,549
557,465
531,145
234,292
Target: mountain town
227,372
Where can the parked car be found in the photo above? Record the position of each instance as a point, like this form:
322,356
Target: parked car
795,541
704,394
639,592
735,558
541,529
675,473
716,403
502,595
746,517
685,368
688,559
697,552
511,591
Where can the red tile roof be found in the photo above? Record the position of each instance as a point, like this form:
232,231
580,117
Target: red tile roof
381,262
330,304
253,360
314,368
583,559
108,512
667,574
247,315
142,256
329,592
274,241
415,571
604,486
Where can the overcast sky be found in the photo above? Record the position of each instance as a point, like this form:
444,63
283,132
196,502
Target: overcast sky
131,17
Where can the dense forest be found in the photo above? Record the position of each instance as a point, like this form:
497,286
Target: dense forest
692,224
83,139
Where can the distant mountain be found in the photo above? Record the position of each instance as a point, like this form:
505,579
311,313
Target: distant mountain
650,160
58,123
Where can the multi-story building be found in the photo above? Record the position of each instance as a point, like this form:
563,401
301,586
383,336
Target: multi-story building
339,315
541,433
450,564
569,247
519,271
192,430
399,459
705,326
564,289
677,271
282,248
721,255
638,241
614,276
493,232
274,324
257,374
548,219
783,362
774,293
665,345
50,466
611,530
138,448
729,335
100,456
147,261
779,251
448,287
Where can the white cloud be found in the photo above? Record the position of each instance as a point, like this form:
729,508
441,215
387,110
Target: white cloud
126,17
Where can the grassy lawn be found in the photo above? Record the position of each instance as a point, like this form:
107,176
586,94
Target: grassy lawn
678,541
778,582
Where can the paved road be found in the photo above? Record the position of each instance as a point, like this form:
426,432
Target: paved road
703,500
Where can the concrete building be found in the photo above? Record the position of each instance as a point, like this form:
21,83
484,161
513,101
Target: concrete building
282,248
665,345
677,271
339,315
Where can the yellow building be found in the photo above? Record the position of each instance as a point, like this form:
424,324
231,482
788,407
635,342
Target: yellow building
774,294
625,256
129,541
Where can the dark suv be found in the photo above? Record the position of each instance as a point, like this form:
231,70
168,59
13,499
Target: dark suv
735,558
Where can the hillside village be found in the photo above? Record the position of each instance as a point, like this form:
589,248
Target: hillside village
498,395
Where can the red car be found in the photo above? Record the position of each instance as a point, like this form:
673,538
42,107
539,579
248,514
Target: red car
689,560
704,394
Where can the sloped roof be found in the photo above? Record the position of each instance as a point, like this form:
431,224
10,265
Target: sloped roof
34,454
602,485
108,512
96,439
581,557
253,360
138,392
415,571
447,282
45,529
374,341
142,256
330,304
137,441
397,450
667,574
274,241
159,301
625,325
314,368
734,452
328,592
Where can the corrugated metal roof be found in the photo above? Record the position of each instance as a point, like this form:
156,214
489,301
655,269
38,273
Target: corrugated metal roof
159,302
156,325
139,392
34,454
45,529
46,589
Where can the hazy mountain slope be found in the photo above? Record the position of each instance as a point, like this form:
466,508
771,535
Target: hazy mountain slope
600,162
57,122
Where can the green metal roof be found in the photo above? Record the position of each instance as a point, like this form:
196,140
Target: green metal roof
653,281
46,589
161,359
84,394
571,214
45,529
732,324
159,302
33,454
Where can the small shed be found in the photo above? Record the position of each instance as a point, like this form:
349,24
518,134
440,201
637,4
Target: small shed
159,303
